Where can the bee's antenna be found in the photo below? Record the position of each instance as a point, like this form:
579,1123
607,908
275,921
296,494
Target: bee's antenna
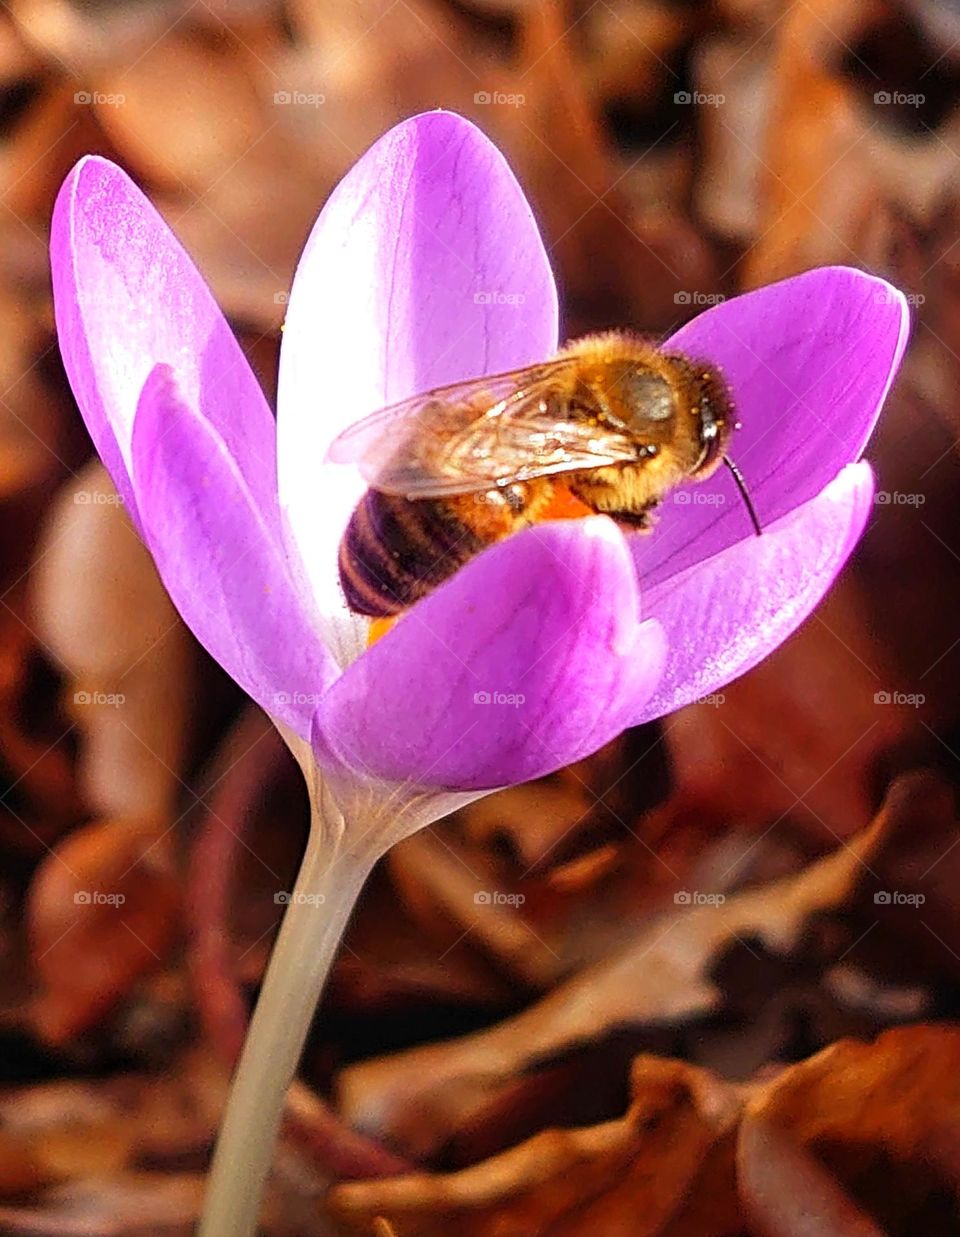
742,487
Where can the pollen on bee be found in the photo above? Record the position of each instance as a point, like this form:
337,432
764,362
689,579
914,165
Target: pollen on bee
378,628
563,505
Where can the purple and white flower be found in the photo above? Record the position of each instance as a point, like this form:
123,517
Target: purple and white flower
425,267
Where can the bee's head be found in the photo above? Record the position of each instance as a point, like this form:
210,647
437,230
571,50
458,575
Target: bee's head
712,406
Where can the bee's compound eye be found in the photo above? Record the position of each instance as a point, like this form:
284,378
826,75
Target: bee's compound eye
648,394
710,445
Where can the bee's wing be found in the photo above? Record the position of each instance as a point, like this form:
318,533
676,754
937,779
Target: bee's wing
476,435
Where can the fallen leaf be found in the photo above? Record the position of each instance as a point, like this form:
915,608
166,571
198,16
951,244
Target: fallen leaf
647,1173
104,909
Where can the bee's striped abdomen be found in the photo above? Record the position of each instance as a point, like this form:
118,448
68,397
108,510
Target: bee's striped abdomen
395,550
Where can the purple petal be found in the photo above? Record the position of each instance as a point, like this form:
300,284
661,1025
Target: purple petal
725,615
424,267
222,564
809,361
529,658
128,297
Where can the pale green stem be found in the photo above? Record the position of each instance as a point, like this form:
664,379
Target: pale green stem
329,882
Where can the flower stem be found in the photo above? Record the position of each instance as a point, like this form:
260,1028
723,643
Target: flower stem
328,885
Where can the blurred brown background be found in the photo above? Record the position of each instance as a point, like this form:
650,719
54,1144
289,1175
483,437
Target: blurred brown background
620,1035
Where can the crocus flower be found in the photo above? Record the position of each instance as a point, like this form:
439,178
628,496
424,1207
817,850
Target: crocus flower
426,267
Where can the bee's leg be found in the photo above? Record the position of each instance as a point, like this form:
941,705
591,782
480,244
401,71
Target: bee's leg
634,521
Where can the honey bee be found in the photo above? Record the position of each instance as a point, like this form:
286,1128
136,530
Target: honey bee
610,425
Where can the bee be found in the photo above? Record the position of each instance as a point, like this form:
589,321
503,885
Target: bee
608,426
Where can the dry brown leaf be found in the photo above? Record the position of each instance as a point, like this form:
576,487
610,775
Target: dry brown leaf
104,908
78,38
68,1129
31,429
760,754
78,1128
883,1118
739,71
132,1205
668,974
452,890
664,976
787,1193
618,265
830,154
635,1175
381,971
545,877
212,116
102,612
42,798
21,1168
